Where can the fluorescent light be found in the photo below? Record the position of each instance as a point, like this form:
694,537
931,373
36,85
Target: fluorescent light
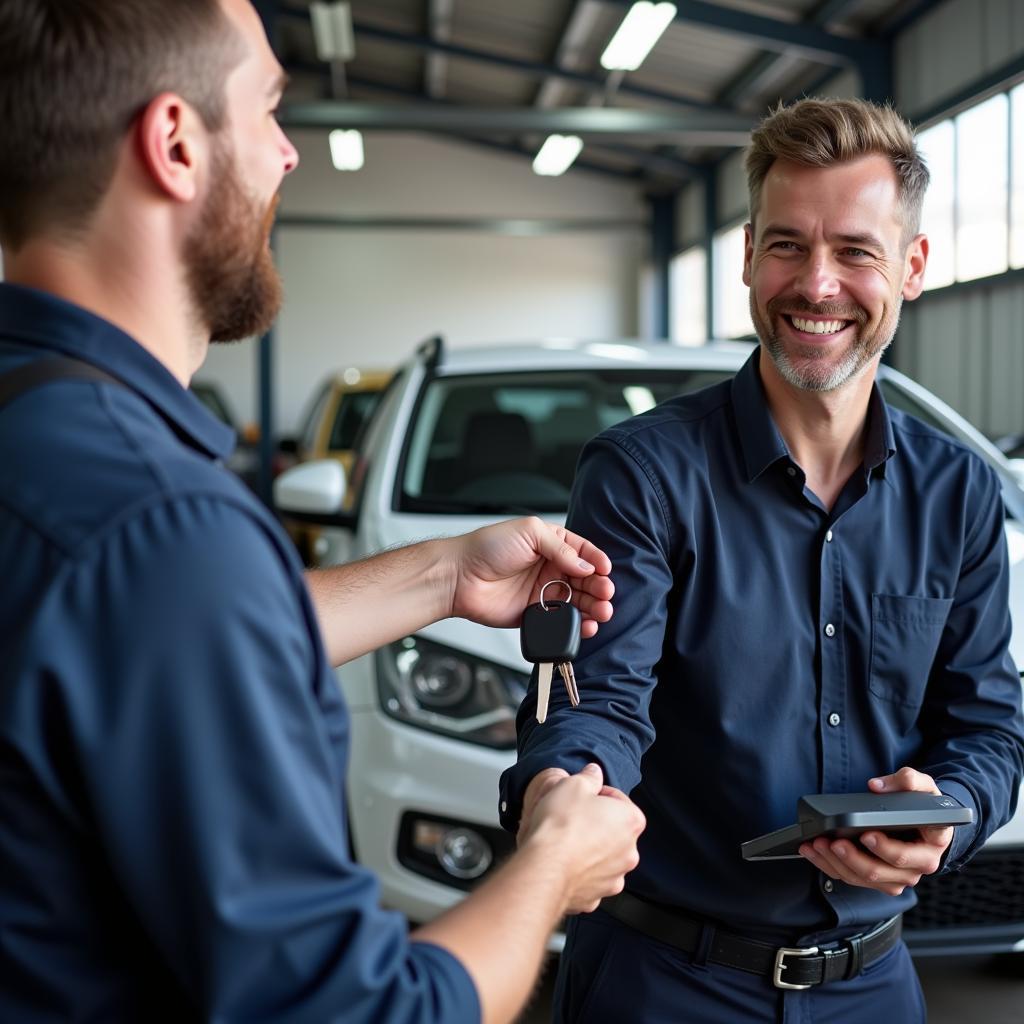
640,30
557,154
346,149
332,30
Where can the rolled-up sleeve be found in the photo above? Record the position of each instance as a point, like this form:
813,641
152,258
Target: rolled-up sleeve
208,760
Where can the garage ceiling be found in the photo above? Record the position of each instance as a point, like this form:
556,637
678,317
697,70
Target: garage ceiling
506,74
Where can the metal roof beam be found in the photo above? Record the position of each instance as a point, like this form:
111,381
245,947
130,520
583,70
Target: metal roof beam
662,164
695,127
538,69
803,40
766,66
577,28
439,27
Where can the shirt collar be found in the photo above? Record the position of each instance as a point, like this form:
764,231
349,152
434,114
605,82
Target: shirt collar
43,321
761,441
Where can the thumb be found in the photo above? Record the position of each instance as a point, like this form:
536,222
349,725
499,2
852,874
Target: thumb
593,774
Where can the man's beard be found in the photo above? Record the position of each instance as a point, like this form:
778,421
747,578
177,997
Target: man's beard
234,285
818,369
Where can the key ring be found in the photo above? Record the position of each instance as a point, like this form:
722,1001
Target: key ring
550,583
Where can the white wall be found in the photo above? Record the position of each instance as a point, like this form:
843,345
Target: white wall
366,296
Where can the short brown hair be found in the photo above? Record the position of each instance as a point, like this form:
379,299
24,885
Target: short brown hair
823,132
74,75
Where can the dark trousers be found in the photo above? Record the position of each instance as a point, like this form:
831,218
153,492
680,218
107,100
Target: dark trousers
611,974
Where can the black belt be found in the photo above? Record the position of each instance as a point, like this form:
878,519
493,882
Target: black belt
787,967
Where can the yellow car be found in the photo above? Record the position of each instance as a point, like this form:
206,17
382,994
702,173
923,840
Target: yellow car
343,403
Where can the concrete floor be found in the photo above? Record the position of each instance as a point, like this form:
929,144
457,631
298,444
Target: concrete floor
978,990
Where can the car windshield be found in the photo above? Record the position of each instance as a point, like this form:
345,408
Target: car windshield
508,443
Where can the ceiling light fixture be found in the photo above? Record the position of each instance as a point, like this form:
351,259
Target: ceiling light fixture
557,154
346,149
640,30
332,30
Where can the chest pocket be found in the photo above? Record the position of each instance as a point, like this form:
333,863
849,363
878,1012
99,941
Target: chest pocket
905,634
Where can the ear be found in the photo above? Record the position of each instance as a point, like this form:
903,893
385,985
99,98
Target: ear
171,143
916,259
748,251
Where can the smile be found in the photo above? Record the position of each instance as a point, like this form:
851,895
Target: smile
818,326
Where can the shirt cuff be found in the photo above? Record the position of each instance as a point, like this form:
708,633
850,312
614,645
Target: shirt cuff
963,835
514,781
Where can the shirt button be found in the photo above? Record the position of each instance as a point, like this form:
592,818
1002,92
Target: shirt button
828,536
834,719
791,471
504,806
830,630
828,886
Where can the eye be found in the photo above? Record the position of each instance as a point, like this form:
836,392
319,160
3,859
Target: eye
784,245
858,254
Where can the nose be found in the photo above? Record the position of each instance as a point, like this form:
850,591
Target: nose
817,279
289,153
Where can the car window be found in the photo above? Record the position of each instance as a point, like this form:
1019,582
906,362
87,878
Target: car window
307,436
354,409
509,442
370,439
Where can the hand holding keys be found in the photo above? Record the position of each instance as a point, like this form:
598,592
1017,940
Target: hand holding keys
550,637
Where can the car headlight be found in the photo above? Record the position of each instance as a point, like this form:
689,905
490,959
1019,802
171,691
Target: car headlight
449,691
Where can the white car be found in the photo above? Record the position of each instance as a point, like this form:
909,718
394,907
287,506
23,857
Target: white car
472,435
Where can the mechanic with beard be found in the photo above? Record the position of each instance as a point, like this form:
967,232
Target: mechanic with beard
173,839
811,596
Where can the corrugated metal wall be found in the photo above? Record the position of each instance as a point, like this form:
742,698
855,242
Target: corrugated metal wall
966,344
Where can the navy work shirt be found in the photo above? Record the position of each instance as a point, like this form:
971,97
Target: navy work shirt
172,742
764,647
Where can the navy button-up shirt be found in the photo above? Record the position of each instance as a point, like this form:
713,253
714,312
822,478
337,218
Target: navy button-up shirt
172,742
764,647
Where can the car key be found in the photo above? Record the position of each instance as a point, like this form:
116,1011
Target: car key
550,638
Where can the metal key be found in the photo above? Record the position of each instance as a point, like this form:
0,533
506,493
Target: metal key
550,637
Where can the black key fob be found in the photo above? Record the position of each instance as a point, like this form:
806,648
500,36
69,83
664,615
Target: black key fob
550,632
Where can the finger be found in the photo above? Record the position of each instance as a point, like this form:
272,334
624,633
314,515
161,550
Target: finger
593,776
905,780
922,856
589,552
821,854
862,868
594,588
564,550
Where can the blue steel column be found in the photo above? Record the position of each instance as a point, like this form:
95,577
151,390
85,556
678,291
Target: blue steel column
663,234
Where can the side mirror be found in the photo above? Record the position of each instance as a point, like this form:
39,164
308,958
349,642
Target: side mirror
312,491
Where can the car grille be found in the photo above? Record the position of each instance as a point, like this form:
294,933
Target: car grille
989,891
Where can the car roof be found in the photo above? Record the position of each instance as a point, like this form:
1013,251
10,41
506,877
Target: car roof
562,353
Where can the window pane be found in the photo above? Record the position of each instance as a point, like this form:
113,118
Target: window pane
1017,170
982,152
687,297
937,216
732,309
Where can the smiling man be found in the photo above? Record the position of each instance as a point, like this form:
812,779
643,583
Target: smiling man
811,597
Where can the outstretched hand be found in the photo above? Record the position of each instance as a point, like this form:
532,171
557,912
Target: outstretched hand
500,569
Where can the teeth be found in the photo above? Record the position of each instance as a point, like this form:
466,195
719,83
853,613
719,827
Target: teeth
818,326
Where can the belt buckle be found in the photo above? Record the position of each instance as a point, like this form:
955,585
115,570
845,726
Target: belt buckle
780,965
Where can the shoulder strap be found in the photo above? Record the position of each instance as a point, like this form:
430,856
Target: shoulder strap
42,371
